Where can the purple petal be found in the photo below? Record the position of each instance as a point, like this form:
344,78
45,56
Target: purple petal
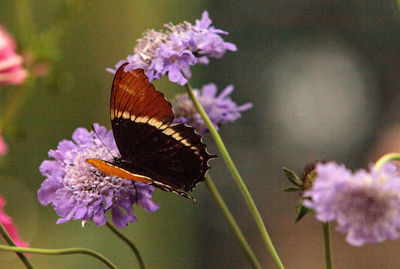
230,46
209,90
120,219
205,21
48,191
226,92
99,217
175,75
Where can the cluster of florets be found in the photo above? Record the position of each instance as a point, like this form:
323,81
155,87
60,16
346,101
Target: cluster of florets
173,51
365,204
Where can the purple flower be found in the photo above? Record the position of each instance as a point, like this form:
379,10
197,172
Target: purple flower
366,205
173,51
78,190
220,109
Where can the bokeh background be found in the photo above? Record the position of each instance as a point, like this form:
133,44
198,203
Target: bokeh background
324,78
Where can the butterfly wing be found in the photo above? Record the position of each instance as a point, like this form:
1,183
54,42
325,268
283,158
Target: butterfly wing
172,155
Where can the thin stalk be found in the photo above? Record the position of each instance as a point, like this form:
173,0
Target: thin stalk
64,251
386,158
327,244
232,222
236,176
11,242
129,243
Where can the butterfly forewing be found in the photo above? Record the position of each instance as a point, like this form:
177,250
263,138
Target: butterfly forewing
173,156
134,99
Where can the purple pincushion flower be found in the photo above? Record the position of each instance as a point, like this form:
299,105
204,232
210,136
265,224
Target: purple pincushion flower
366,205
220,109
77,190
173,51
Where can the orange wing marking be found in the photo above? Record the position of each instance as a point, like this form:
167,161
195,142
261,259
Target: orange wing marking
112,170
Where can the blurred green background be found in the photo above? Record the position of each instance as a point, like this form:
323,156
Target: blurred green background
324,78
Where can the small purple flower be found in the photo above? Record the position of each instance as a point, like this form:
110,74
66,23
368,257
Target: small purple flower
207,38
175,62
77,190
220,109
173,51
366,205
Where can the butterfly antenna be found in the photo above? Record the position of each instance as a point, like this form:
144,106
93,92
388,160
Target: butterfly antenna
137,199
102,142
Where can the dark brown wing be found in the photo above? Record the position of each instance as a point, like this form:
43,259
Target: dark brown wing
134,98
173,156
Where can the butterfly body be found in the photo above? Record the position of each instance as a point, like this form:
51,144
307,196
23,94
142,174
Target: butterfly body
169,156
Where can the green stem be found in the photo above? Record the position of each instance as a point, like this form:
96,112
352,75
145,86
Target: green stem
238,179
386,158
65,251
127,241
11,242
232,223
327,245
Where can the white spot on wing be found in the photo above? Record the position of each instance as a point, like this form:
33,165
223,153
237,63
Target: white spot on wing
177,136
185,142
155,123
126,115
168,131
140,119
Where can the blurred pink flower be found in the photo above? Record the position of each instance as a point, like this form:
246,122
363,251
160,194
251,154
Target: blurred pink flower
9,225
11,71
3,146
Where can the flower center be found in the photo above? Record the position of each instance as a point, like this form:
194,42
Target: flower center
364,206
85,181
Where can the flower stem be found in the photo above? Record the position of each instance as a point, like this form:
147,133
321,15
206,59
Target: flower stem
236,176
386,158
11,242
127,241
64,251
327,244
232,223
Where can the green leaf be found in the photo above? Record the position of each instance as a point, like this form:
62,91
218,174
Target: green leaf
291,189
292,177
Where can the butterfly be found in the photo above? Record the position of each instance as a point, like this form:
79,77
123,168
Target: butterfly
153,150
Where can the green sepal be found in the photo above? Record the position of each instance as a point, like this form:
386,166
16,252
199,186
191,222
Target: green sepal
301,212
292,176
291,189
